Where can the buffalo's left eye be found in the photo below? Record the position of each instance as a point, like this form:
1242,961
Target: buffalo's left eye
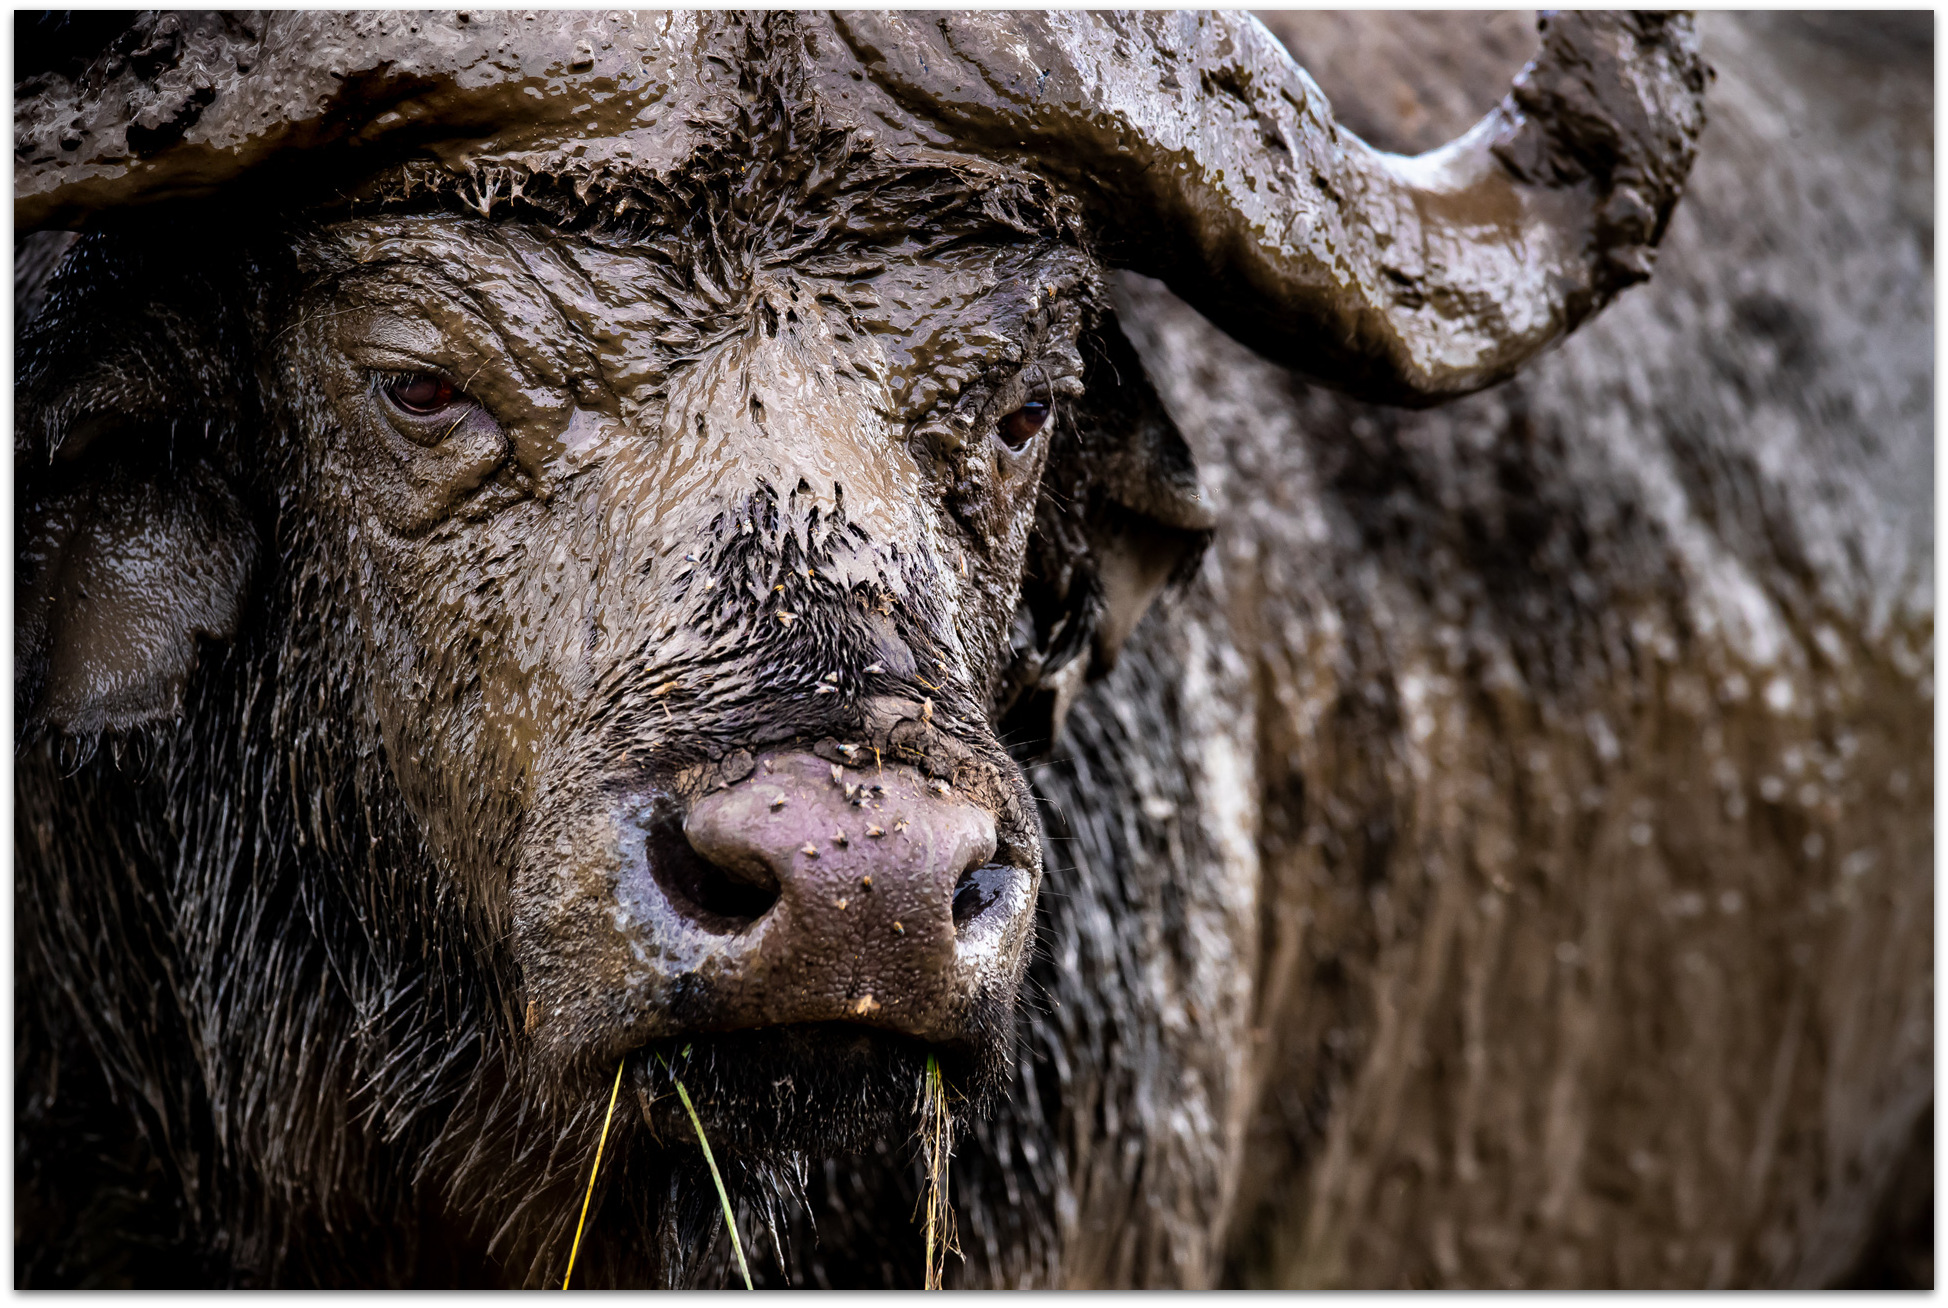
420,393
1019,427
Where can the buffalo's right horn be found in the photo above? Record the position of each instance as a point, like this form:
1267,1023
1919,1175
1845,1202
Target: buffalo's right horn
1220,169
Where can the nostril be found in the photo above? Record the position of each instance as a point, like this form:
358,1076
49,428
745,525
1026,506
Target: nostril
977,890
717,898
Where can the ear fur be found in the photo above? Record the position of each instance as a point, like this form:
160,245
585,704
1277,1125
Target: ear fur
131,543
1119,520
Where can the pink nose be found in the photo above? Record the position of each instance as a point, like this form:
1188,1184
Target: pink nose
864,863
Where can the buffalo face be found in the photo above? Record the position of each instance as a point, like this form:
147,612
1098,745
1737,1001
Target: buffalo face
685,570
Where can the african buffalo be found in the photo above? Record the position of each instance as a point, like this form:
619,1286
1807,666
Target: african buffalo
560,550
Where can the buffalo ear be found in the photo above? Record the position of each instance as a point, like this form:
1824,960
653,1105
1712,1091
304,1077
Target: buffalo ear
1119,520
131,544
116,581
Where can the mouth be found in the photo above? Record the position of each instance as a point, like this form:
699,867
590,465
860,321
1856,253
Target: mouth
826,1088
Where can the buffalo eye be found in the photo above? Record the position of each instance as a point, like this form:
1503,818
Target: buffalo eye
420,392
1019,427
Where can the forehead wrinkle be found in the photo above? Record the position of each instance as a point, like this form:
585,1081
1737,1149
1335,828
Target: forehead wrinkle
382,277
501,289
525,288
381,273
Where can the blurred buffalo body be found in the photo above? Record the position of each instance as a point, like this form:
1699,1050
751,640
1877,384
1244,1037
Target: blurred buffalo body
1504,862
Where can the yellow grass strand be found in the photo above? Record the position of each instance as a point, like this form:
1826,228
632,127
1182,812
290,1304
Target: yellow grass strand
936,1142
723,1195
604,1139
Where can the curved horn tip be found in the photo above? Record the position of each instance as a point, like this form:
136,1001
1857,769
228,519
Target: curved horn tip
1411,281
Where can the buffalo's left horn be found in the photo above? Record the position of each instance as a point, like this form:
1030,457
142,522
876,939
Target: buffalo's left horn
1219,168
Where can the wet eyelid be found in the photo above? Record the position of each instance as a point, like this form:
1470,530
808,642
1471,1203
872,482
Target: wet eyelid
1032,383
387,364
395,346
405,341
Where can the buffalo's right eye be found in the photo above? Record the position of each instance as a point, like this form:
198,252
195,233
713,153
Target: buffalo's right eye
1019,427
420,393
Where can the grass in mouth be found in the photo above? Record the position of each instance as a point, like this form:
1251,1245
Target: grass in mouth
604,1139
937,1145
723,1195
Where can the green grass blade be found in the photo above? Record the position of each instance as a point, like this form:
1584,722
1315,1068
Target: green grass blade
730,1219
